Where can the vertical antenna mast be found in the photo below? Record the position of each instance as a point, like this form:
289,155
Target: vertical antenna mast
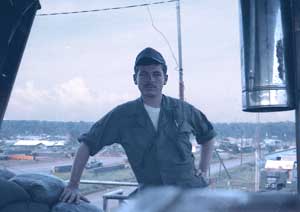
257,152
181,83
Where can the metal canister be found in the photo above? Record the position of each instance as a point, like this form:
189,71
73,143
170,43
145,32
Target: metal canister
267,55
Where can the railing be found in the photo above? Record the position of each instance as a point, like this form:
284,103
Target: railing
114,183
112,195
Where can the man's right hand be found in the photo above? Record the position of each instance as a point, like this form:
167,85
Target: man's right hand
72,194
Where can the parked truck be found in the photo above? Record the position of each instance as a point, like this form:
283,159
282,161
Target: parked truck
93,164
278,174
62,168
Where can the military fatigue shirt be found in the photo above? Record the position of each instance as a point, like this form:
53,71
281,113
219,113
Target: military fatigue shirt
161,157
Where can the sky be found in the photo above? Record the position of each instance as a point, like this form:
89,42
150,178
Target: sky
78,67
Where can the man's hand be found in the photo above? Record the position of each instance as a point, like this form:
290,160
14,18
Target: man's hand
203,175
72,194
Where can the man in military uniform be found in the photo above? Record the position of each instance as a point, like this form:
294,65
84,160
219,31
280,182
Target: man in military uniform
154,131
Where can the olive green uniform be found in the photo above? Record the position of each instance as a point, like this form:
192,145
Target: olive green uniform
161,157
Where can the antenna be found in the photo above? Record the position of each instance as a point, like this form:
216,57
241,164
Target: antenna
181,83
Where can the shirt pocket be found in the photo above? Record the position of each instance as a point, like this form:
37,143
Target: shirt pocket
183,140
183,132
185,127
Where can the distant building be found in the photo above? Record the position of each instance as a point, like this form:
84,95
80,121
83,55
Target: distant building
39,143
274,142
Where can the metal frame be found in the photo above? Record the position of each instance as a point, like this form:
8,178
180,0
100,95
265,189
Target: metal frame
112,195
296,16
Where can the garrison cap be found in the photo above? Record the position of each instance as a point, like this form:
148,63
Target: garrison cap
150,56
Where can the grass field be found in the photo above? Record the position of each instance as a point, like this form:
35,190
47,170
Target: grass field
242,178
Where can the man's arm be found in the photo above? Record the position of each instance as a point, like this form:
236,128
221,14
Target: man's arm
206,155
71,192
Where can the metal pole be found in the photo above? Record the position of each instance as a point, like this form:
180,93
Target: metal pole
257,153
241,149
297,122
181,84
296,17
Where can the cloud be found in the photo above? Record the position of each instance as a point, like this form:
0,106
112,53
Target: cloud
74,92
24,97
70,100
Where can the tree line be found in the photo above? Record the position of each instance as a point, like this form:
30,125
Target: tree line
279,130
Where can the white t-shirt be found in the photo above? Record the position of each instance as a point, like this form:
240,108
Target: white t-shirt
153,114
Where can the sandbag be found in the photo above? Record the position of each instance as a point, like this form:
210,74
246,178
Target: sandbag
15,207
26,207
6,174
11,192
42,188
38,207
72,207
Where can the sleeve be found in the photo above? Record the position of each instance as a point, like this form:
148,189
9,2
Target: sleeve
203,129
104,132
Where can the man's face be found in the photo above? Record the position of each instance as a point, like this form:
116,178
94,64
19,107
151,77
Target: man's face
150,80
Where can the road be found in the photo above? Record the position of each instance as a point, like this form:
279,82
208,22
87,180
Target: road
22,167
229,164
